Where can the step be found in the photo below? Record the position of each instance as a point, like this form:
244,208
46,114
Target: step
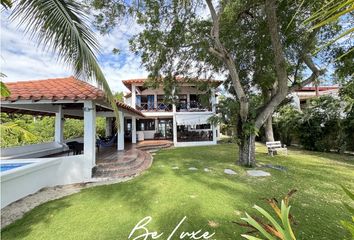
142,162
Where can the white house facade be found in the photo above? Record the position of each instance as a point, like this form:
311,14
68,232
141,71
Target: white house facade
184,121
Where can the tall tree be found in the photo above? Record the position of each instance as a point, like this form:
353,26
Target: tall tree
61,26
260,44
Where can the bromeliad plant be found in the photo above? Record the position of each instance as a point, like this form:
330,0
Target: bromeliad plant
271,230
347,224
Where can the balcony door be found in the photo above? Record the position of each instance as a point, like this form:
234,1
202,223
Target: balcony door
165,128
150,102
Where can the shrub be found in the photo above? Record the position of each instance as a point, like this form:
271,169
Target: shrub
285,125
320,126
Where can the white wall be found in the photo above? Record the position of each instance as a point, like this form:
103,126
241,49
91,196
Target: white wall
31,151
191,144
148,134
46,172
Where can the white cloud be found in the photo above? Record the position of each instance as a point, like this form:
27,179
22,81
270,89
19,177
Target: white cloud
22,60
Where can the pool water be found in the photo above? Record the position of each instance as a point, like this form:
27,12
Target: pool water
9,166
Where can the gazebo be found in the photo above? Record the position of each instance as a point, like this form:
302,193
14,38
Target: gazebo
66,98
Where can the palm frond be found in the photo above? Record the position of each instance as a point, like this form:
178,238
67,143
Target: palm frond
60,26
4,91
328,14
6,3
15,129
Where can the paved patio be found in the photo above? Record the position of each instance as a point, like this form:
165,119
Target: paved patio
120,164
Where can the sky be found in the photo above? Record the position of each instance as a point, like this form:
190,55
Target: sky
21,59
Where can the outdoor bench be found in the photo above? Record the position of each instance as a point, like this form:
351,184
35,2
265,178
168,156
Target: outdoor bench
273,147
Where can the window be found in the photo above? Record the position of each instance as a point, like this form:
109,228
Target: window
201,126
145,125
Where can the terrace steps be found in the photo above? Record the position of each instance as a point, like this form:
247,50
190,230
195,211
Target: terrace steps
130,164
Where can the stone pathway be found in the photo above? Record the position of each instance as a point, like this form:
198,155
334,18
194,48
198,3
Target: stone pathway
257,173
230,172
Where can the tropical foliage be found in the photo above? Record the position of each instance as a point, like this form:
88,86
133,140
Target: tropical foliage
17,130
272,230
329,13
61,26
326,124
349,225
261,46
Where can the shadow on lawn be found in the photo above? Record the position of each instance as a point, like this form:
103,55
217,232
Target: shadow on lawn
195,220
44,214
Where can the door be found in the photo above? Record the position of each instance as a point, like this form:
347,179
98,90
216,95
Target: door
165,128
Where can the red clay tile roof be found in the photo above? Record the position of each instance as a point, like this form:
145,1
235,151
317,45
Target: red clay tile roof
129,82
68,88
129,108
320,88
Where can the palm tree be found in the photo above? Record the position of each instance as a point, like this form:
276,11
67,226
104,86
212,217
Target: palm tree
329,13
60,25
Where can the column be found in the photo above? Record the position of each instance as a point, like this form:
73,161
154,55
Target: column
89,137
214,135
59,126
188,100
133,129
156,124
108,127
120,145
133,96
213,101
174,130
155,101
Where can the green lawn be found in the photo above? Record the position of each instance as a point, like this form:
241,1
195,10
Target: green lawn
210,200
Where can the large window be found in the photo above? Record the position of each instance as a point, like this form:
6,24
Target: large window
194,133
145,125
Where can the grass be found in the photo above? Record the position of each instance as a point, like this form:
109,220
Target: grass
210,200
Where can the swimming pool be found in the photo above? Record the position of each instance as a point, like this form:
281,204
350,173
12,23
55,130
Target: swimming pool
9,166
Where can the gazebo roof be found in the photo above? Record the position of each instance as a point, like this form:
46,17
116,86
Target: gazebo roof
55,90
68,88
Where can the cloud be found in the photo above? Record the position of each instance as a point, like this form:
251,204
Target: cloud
21,58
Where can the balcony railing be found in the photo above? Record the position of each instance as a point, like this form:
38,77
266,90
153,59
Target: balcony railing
192,106
160,107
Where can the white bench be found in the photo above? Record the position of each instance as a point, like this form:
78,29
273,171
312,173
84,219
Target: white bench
273,147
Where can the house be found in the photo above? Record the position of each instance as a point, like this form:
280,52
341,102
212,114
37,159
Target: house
144,115
184,121
302,96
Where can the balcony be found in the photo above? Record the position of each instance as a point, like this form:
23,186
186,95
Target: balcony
160,107
192,106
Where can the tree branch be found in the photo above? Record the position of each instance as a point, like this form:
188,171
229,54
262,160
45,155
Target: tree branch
280,64
221,53
315,74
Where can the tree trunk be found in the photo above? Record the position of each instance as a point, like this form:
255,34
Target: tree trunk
247,151
268,128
